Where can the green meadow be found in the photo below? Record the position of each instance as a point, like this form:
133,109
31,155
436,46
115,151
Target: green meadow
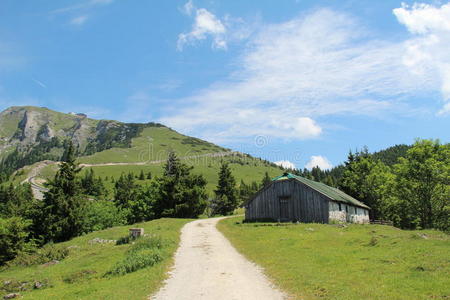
81,275
316,261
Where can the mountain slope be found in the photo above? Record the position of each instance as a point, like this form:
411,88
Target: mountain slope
33,134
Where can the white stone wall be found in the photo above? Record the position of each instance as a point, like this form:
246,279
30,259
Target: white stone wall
348,213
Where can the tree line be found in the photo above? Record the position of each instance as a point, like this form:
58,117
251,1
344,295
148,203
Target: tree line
408,185
75,205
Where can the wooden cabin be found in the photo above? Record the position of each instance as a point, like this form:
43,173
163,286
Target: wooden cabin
291,198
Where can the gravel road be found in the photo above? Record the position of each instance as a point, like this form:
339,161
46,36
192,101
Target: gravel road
208,267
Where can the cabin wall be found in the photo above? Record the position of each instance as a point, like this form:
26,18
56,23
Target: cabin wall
341,212
303,203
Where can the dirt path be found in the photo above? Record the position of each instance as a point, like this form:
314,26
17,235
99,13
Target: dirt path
208,267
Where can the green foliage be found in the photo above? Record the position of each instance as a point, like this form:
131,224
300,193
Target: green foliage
390,156
365,179
247,191
414,193
145,252
421,190
48,253
14,238
92,186
181,194
28,156
64,207
137,201
102,214
226,194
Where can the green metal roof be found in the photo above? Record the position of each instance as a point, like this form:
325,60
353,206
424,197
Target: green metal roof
330,192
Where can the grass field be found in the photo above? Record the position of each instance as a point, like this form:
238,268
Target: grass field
80,274
316,261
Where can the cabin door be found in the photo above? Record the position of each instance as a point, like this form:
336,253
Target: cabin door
284,208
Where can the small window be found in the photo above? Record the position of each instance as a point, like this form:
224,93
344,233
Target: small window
346,208
365,212
356,211
340,207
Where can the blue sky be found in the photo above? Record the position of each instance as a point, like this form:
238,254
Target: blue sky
287,80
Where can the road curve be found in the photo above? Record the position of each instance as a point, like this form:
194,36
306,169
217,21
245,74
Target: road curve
208,267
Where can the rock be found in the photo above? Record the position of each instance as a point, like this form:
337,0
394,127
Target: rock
38,285
11,296
7,282
51,263
101,241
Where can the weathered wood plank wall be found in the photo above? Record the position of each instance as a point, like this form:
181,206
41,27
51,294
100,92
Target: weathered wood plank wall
304,203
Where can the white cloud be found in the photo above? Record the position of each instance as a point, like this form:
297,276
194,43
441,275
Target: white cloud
188,8
285,164
293,73
428,51
205,25
444,111
78,21
319,161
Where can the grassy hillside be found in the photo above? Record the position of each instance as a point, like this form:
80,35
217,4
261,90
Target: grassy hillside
153,144
81,274
315,261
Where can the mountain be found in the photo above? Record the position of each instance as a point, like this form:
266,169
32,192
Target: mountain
30,135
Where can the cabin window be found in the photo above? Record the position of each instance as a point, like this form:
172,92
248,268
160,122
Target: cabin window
356,211
340,207
365,212
346,208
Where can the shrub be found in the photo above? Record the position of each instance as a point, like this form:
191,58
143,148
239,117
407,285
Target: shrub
47,253
14,238
145,252
125,240
154,242
103,214
135,261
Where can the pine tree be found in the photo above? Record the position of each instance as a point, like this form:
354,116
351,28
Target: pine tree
64,207
141,175
149,175
226,191
266,180
181,194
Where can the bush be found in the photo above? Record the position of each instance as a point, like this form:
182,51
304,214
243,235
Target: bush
14,238
135,261
125,240
146,252
46,254
145,243
103,214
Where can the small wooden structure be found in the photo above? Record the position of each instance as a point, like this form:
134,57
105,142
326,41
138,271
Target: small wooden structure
291,198
136,232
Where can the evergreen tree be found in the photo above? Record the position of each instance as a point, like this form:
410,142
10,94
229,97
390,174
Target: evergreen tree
266,180
149,175
226,191
64,207
181,194
141,175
